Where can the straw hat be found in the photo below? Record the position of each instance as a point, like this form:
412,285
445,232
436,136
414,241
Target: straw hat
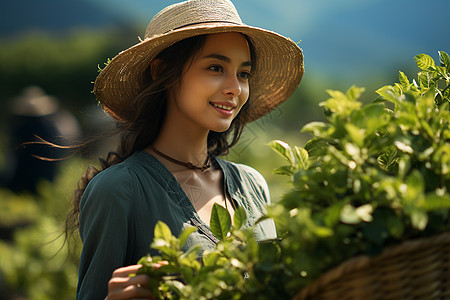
275,77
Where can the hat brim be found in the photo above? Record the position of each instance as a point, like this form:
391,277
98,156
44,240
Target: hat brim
277,73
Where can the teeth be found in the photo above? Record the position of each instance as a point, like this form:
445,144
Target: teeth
223,106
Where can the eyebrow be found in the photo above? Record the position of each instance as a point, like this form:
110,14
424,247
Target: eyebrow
226,59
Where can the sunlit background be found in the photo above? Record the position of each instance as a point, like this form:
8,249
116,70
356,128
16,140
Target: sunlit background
59,46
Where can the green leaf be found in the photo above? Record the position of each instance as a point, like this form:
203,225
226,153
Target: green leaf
404,147
388,159
162,231
339,104
284,170
332,213
356,134
444,59
364,212
210,257
415,185
176,286
318,129
220,222
388,93
419,219
283,149
349,215
302,157
160,244
424,62
424,80
442,71
436,202
354,92
239,217
372,117
317,147
337,95
352,150
191,254
185,234
403,79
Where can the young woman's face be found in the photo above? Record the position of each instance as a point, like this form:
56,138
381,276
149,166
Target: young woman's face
215,85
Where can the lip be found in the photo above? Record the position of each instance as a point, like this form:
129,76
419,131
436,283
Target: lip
222,111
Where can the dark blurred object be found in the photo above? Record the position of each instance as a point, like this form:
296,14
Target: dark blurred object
36,117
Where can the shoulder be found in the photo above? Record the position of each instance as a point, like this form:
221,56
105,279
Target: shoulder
122,181
242,170
113,178
117,177
110,187
246,177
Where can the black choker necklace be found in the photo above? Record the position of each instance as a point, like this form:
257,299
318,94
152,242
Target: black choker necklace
189,165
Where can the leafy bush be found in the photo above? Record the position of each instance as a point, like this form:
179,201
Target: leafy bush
34,260
372,176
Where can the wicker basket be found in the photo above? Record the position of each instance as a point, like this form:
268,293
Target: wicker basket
416,269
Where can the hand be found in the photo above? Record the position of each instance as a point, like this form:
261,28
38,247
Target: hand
122,286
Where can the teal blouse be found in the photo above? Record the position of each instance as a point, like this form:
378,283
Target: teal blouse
121,205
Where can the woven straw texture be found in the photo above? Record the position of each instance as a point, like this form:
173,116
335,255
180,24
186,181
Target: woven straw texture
277,73
416,269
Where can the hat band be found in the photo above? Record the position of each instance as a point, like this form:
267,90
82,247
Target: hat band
190,24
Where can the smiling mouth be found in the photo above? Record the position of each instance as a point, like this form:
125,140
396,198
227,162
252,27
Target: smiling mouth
224,107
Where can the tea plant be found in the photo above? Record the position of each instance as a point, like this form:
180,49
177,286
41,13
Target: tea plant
216,276
372,176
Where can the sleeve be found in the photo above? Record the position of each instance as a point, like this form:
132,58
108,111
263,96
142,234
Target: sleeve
105,230
258,184
264,230
262,185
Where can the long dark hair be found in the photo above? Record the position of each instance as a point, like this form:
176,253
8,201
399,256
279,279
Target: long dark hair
149,110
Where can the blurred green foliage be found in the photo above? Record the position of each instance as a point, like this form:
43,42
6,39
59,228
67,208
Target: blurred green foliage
35,262
64,66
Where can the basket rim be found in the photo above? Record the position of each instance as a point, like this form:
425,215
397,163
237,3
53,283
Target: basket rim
364,261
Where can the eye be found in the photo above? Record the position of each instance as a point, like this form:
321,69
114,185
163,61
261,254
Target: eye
245,75
215,68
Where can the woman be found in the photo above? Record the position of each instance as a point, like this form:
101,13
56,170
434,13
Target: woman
182,96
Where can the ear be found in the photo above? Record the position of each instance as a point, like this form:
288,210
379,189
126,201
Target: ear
155,68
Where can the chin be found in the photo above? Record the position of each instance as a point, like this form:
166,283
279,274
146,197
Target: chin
221,127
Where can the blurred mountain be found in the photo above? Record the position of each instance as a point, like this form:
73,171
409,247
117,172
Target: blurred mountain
341,39
22,16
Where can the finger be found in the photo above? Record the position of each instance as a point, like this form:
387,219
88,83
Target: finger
126,271
117,283
131,292
160,264
139,280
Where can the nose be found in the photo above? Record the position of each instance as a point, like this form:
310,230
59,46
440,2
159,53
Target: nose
232,86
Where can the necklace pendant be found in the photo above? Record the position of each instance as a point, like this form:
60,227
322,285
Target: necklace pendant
205,167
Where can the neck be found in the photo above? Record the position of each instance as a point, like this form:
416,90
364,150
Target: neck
183,143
